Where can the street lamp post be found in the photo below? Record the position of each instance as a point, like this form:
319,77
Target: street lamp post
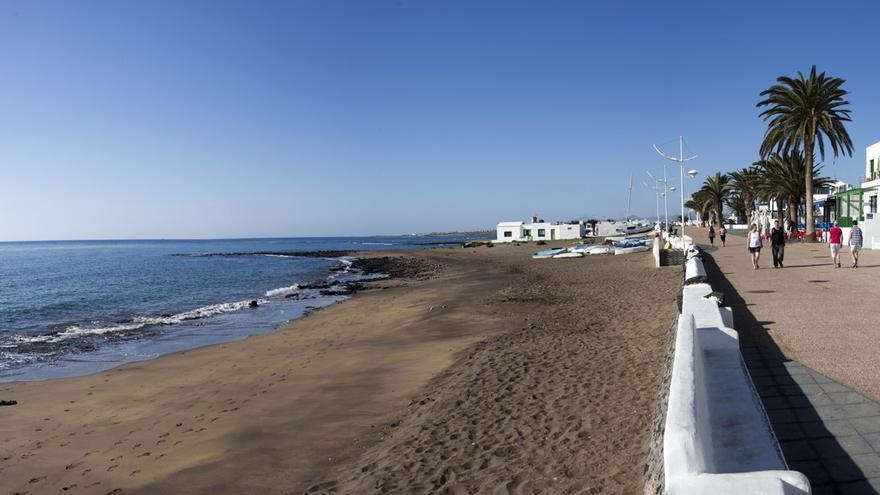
681,161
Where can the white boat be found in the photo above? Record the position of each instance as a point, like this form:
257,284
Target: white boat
569,254
628,250
547,253
600,250
582,248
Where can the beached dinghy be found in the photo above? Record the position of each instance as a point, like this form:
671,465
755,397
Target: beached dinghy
582,248
600,250
569,254
547,253
628,250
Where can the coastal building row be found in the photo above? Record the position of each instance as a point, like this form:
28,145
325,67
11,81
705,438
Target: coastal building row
539,230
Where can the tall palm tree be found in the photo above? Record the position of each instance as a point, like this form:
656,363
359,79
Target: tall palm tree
783,178
704,205
803,112
716,188
745,182
737,202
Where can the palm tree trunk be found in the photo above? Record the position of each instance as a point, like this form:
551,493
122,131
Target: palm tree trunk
719,211
792,212
809,228
779,209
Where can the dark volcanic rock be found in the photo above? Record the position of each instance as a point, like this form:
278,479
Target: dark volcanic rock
253,304
398,267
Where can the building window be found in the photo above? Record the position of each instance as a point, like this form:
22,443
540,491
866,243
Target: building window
508,233
872,170
872,204
542,232
527,233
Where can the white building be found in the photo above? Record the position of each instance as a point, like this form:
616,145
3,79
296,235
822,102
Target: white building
867,212
539,231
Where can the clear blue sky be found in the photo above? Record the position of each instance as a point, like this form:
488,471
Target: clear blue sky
223,119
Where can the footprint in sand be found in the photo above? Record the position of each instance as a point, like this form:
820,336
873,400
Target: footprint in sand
37,480
136,471
111,468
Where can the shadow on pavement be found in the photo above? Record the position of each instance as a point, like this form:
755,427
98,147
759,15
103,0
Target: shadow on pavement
803,406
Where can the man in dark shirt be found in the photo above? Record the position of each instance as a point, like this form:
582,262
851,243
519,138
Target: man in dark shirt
777,242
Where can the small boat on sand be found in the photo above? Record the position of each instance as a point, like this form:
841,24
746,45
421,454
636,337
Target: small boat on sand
547,253
628,250
600,250
569,254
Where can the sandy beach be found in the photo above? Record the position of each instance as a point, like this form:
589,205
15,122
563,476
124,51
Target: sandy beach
489,372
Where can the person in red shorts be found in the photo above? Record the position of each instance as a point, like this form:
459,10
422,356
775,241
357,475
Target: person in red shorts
835,239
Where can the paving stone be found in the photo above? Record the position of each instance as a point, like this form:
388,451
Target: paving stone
759,371
821,489
764,381
770,391
819,429
775,403
821,379
808,389
865,410
858,488
798,450
832,387
866,425
832,412
843,469
868,463
811,401
788,431
782,416
795,368
873,440
814,471
847,398
841,446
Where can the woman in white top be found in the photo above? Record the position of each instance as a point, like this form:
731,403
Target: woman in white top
755,244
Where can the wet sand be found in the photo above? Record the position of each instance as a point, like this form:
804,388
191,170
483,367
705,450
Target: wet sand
498,373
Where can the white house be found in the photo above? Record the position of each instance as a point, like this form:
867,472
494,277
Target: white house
867,211
539,231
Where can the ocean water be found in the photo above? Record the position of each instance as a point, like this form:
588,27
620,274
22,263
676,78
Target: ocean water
76,307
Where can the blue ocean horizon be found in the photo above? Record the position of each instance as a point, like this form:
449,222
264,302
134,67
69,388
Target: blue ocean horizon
76,307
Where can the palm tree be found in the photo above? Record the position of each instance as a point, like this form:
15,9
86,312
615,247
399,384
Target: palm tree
592,223
716,189
745,182
737,202
803,112
701,204
783,178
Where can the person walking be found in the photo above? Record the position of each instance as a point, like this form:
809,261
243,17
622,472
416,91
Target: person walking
755,243
777,244
722,234
712,235
835,238
855,243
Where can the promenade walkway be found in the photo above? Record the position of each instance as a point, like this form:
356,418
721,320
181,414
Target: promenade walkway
811,342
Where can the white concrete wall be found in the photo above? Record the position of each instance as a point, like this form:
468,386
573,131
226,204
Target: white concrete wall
717,437
516,233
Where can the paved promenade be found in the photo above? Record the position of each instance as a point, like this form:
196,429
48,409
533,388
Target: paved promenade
811,344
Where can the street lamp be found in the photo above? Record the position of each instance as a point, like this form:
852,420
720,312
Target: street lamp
681,160
662,190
